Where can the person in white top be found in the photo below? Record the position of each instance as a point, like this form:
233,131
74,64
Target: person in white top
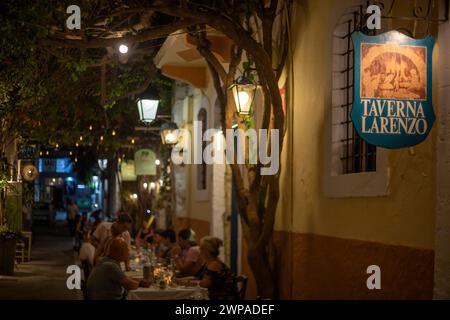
103,232
87,250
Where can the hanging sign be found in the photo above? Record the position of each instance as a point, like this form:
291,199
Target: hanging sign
127,171
144,161
392,98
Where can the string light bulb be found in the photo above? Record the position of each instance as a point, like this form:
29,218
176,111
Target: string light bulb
81,138
114,132
101,138
76,144
123,48
132,141
90,128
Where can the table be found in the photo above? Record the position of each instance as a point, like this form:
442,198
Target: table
170,293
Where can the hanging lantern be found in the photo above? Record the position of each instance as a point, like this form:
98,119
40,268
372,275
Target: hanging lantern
169,133
148,105
244,92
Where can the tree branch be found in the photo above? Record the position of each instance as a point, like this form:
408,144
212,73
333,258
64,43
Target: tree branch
156,33
204,48
140,89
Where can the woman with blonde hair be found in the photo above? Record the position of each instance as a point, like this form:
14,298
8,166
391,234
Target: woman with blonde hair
215,275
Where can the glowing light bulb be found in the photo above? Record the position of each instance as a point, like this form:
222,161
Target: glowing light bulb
170,137
90,128
101,138
243,99
123,49
145,185
157,162
76,144
114,132
152,185
132,141
81,138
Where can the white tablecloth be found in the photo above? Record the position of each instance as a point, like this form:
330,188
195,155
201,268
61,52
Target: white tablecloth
154,293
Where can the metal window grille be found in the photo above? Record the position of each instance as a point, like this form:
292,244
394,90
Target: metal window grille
356,154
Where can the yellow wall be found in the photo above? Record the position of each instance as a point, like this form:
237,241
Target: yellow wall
406,216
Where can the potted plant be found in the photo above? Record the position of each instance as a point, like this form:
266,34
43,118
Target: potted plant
8,240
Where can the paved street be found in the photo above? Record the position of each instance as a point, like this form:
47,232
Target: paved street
44,277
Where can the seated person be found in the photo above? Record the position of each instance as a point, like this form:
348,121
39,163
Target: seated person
107,281
169,240
215,275
87,253
186,255
103,249
103,230
143,237
157,244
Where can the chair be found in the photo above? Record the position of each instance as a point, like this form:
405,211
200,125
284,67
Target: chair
28,235
20,250
83,290
86,269
241,284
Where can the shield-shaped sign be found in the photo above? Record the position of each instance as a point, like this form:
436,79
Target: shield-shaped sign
144,161
392,106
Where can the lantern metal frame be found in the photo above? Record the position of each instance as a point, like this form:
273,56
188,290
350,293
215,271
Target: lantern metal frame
167,128
244,84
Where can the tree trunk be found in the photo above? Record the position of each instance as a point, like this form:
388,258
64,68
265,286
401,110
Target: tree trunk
259,263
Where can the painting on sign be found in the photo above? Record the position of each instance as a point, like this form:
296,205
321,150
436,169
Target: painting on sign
144,161
392,98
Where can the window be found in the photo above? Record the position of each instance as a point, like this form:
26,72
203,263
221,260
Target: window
353,168
352,154
202,169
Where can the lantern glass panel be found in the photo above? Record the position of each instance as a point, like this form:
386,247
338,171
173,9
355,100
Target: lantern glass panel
147,109
243,97
169,136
